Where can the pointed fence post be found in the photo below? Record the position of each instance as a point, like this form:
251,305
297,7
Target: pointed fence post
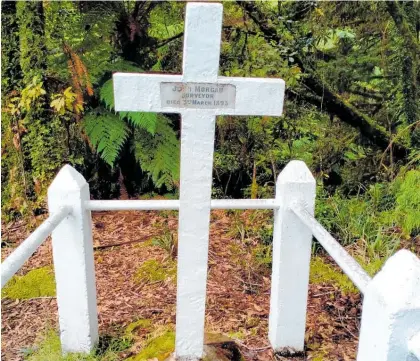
291,257
73,263
391,311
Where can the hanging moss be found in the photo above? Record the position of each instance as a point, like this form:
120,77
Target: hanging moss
39,282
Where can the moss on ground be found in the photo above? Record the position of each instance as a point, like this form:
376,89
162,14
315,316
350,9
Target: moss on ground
154,271
322,272
139,324
38,282
159,347
49,349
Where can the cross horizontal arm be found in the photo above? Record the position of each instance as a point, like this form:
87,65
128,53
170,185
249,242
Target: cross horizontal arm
254,96
135,92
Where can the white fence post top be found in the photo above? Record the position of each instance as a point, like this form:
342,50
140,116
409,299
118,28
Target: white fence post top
67,178
296,171
398,282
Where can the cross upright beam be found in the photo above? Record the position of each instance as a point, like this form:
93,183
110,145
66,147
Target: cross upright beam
199,95
201,59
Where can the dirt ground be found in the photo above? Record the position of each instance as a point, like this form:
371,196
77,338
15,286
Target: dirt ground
237,293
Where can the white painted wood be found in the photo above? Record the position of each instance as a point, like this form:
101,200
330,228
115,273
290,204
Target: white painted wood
73,262
133,205
254,96
391,310
197,144
142,92
414,346
203,28
161,205
346,262
28,247
291,258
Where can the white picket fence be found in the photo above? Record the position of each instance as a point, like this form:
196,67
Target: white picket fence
390,326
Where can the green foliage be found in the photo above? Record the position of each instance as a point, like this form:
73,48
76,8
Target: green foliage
107,133
153,271
379,218
155,145
142,120
32,40
158,154
407,195
38,282
168,242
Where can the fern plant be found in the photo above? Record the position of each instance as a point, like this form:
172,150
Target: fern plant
158,154
107,133
156,146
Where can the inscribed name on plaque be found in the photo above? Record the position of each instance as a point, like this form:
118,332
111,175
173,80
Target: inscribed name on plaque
197,95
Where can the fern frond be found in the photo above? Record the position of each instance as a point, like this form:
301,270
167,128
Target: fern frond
146,121
158,155
124,65
106,94
107,133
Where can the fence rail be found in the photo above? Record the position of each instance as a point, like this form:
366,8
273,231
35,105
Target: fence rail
390,325
166,204
346,262
28,247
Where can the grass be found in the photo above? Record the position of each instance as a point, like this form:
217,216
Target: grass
49,349
159,344
38,282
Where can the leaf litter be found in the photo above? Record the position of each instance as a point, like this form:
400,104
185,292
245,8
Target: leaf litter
238,291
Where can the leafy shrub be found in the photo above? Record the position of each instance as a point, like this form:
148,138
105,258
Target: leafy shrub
377,219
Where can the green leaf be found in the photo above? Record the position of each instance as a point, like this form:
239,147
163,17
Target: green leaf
146,121
143,120
106,94
158,155
107,133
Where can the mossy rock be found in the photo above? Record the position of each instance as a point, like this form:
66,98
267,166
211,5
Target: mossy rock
39,282
153,271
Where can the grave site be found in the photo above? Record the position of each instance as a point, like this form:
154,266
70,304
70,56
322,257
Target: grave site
148,240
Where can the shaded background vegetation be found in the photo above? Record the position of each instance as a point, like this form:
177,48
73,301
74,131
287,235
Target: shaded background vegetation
351,109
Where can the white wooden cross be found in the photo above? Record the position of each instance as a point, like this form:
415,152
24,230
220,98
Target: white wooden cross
199,95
